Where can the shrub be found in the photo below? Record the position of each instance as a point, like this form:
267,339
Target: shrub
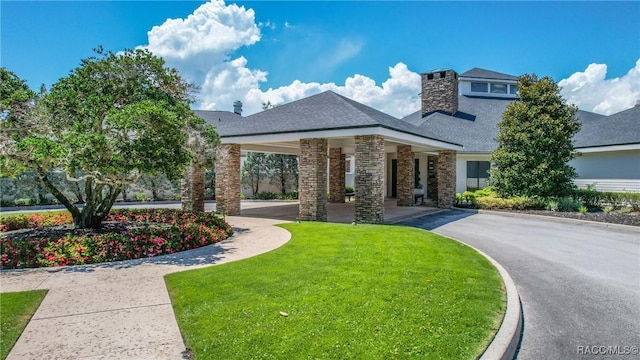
583,209
589,197
568,204
25,202
494,202
607,209
624,210
166,231
349,190
265,195
469,197
552,205
537,203
141,197
290,196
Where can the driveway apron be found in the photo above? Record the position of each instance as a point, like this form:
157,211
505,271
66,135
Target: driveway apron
579,284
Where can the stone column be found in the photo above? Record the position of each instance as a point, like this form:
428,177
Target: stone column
192,194
369,179
228,179
446,178
405,178
337,161
312,179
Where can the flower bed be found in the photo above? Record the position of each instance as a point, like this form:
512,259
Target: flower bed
145,233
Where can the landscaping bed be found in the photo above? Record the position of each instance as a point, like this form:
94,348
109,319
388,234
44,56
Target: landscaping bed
590,205
50,239
631,218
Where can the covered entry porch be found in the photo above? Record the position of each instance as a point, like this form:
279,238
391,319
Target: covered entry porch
322,130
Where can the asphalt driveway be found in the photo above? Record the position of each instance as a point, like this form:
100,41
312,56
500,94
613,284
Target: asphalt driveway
579,284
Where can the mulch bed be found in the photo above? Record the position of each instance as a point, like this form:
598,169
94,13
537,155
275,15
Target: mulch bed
632,218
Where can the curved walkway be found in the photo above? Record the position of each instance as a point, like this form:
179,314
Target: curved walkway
122,310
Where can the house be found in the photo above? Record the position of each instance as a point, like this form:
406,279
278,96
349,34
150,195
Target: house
444,147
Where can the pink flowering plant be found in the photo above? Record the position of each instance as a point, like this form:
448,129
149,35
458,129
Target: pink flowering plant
157,232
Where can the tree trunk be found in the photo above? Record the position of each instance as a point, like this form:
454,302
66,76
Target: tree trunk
154,190
124,193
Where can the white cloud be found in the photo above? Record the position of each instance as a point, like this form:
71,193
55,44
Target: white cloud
201,45
397,96
590,91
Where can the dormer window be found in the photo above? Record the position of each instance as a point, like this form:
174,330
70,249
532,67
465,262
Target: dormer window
479,87
498,88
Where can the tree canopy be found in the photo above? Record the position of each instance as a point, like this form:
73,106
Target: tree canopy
535,142
111,120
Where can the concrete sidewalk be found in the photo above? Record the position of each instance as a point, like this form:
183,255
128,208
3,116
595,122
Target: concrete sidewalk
122,310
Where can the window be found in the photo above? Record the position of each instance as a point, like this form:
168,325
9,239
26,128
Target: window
477,174
498,88
513,89
479,87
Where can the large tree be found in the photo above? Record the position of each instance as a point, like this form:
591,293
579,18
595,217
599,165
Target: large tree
284,171
282,168
111,120
254,170
535,142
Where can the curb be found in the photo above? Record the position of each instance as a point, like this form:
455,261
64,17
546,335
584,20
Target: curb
554,218
505,344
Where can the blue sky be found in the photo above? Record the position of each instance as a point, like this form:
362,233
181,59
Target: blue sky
280,51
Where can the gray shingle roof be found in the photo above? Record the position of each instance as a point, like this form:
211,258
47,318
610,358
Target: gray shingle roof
487,74
618,129
473,126
324,111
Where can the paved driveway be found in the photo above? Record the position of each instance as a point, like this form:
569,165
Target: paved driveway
579,284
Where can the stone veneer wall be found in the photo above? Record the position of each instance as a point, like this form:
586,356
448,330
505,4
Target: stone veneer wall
192,193
369,179
446,178
337,161
228,179
405,176
312,183
440,91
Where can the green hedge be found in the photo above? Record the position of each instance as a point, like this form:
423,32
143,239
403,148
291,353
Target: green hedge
589,198
597,199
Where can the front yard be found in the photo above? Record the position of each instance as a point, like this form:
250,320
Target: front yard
343,292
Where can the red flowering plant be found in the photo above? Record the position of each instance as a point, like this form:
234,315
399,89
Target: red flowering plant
158,232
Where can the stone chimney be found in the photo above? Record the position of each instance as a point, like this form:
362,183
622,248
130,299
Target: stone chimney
237,107
439,91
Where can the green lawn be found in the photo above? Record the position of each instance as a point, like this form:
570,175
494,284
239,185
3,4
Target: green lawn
26,212
16,309
349,292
